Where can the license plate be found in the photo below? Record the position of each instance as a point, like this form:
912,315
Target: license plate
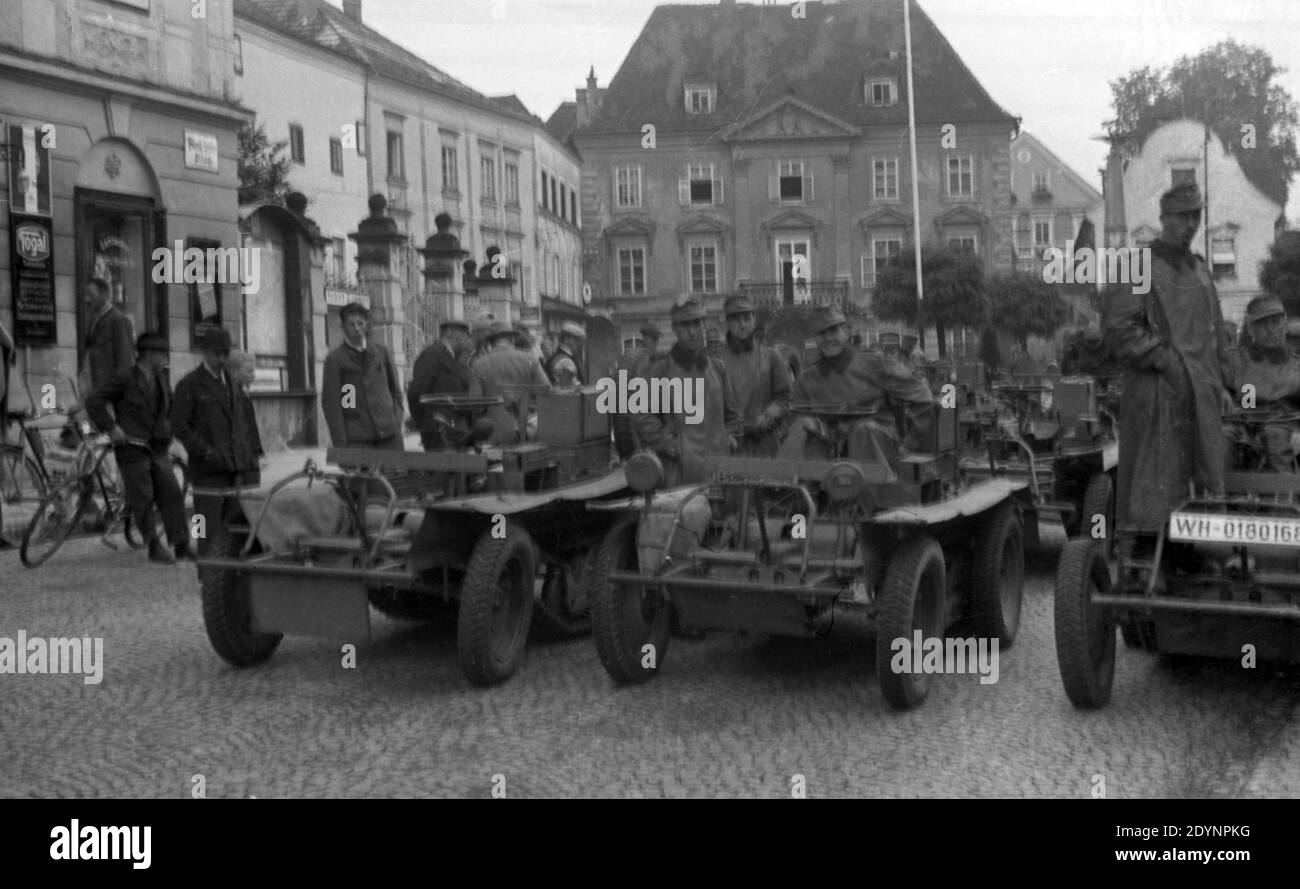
1208,528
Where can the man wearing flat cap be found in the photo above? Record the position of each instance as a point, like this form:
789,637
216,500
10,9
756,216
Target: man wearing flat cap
506,372
211,417
852,379
1264,363
760,378
361,393
1170,343
563,367
681,445
441,370
631,361
141,432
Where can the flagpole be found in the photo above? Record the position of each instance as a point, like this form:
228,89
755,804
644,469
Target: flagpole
911,132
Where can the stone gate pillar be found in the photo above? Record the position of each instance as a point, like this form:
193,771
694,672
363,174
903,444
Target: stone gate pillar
381,266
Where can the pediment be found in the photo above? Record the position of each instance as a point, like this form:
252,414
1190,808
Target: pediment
790,118
630,226
962,215
702,225
885,217
791,218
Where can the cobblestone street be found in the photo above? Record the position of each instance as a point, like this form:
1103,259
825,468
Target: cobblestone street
729,715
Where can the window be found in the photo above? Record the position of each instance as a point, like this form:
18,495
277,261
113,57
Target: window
396,156
1223,253
554,199
450,175
704,268
794,269
512,184
1042,234
239,54
699,186
205,297
882,91
631,271
1040,183
884,179
700,98
1179,175
573,206
546,191
336,259
790,184
488,170
564,203
961,177
882,251
962,243
627,186
336,156
361,137
297,150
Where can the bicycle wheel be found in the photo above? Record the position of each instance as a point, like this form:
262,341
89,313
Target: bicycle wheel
55,518
22,488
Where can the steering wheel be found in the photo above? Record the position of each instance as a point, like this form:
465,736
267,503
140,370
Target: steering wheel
841,412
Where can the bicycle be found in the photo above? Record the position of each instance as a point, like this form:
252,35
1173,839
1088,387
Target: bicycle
23,476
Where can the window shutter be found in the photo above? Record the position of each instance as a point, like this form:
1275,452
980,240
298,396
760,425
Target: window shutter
773,188
683,191
717,191
808,188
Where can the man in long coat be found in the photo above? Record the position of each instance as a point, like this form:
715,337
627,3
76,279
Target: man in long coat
1265,374
760,378
1171,345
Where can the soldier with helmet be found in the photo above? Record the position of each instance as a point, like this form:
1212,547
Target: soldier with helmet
760,378
1265,373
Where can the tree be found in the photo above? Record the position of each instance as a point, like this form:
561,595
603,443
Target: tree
1022,305
1230,87
1280,273
263,176
954,291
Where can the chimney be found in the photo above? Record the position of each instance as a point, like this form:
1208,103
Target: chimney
589,99
1112,181
352,9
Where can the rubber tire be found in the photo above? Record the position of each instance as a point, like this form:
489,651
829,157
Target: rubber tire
491,558
621,630
1099,499
1002,532
33,490
73,492
916,562
1085,636
226,608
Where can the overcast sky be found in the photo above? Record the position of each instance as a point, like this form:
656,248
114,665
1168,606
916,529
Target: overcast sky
1048,61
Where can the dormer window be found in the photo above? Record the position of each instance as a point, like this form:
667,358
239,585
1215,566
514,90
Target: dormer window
882,91
701,98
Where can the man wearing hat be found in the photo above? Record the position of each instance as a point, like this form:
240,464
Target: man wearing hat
361,393
760,378
211,417
842,376
1265,363
1170,343
681,445
563,365
440,370
141,433
503,371
631,361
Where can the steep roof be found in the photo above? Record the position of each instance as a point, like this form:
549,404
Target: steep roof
758,54
318,23
563,121
1089,190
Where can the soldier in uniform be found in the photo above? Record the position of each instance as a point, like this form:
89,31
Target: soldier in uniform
564,368
440,370
852,379
631,361
759,377
1272,372
681,445
501,369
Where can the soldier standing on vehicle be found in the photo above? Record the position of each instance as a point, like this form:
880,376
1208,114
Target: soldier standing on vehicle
865,380
1170,343
502,370
440,371
210,416
361,393
681,445
1265,373
141,433
759,377
563,367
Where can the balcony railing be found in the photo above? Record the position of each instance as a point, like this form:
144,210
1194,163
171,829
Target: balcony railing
776,294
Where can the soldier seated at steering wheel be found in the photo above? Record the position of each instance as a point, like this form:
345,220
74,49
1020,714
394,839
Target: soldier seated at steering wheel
1265,379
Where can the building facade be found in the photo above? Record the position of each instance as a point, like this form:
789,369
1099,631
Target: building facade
120,124
708,171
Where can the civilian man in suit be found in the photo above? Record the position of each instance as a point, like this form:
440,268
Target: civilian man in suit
211,418
361,393
109,349
141,434
440,370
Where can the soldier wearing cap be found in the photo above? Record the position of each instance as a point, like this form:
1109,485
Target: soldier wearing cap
441,370
852,379
141,433
1170,343
681,445
502,371
1264,363
361,393
211,418
564,367
631,361
760,378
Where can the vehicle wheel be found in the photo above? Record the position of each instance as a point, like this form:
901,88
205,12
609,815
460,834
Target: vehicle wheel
227,612
998,577
54,520
564,608
1099,499
21,483
912,598
496,606
1085,634
627,617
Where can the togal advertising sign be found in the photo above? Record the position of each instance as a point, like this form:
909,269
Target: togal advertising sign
32,244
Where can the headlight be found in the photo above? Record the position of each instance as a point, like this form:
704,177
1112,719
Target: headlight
843,483
644,472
